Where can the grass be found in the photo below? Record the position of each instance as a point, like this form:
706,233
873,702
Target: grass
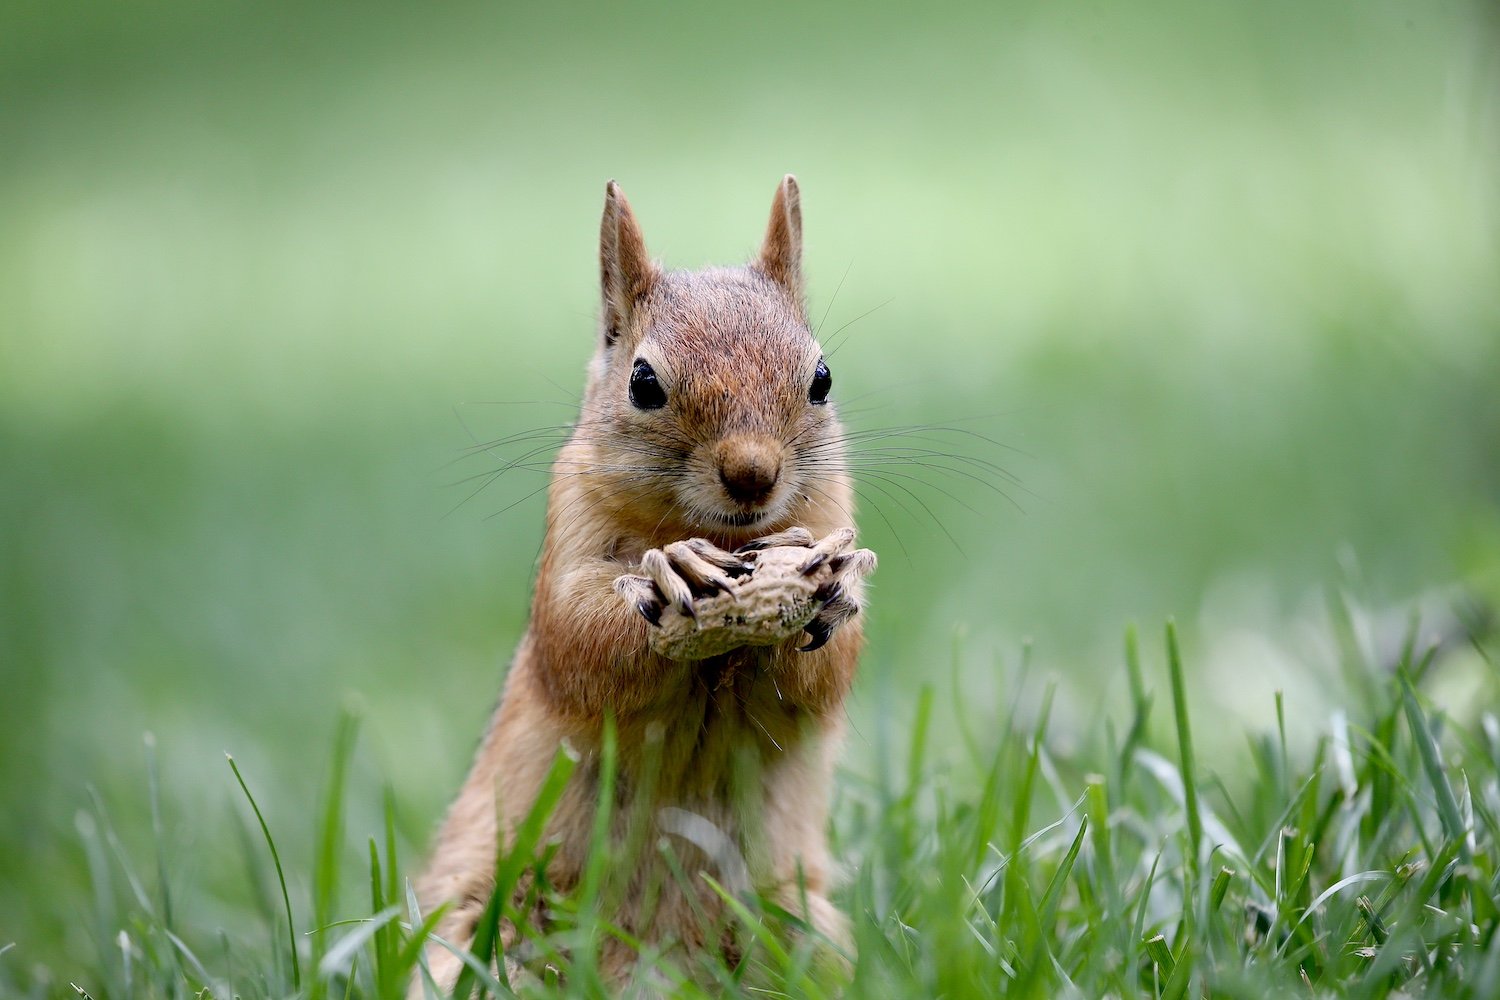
1013,867
1219,278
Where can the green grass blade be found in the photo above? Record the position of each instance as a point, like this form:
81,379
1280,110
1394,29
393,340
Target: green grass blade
1432,765
410,953
329,842
153,785
1188,760
757,927
286,899
476,971
1161,955
209,983
604,801
918,749
384,941
1053,894
1284,765
1133,671
1219,889
392,866
347,947
509,867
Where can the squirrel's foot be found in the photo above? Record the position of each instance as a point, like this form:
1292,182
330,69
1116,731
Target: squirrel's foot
791,536
676,575
702,601
842,564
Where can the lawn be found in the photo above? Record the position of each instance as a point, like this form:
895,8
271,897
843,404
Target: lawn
1190,310
1366,867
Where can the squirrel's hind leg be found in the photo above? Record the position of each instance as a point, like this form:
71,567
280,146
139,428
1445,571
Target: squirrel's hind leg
443,966
831,940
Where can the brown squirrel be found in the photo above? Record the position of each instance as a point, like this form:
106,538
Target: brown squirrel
706,439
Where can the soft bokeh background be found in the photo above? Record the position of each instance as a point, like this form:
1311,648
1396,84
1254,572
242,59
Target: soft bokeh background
1217,283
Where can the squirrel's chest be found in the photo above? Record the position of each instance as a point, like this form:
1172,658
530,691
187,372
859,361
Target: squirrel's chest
723,728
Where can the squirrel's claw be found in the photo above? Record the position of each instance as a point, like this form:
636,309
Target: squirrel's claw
730,563
702,601
832,546
820,631
704,568
681,572
641,593
673,587
791,536
838,608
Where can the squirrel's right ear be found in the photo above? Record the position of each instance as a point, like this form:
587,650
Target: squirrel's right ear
781,251
626,272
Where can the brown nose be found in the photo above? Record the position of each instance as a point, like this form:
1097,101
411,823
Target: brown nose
748,468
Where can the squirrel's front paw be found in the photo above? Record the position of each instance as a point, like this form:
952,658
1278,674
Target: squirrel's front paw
703,601
837,568
678,574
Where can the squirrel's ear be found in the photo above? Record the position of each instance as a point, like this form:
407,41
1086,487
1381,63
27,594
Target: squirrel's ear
625,269
781,253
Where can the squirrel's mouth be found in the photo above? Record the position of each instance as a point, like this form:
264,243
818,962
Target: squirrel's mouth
739,520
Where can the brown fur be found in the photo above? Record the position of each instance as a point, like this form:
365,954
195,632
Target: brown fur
745,741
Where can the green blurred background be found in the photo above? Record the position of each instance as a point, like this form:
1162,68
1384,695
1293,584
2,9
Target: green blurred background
1217,283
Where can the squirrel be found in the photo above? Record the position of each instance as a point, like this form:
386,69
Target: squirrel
706,443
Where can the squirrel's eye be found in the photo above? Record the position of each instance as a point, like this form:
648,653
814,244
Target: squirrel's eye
821,383
646,392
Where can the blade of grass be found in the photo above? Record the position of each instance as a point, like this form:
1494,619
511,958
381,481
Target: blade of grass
286,899
918,749
384,942
1185,749
1138,926
511,863
753,923
1161,955
153,785
330,837
1284,763
1219,889
392,870
411,951
1432,764
1053,894
476,971
346,948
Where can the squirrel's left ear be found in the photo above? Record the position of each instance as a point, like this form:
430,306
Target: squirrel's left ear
625,269
781,252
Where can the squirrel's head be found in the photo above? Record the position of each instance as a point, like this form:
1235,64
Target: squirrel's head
707,407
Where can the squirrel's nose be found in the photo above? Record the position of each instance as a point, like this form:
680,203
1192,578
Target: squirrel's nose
748,469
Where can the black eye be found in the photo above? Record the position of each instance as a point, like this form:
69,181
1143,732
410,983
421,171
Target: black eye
646,392
821,383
